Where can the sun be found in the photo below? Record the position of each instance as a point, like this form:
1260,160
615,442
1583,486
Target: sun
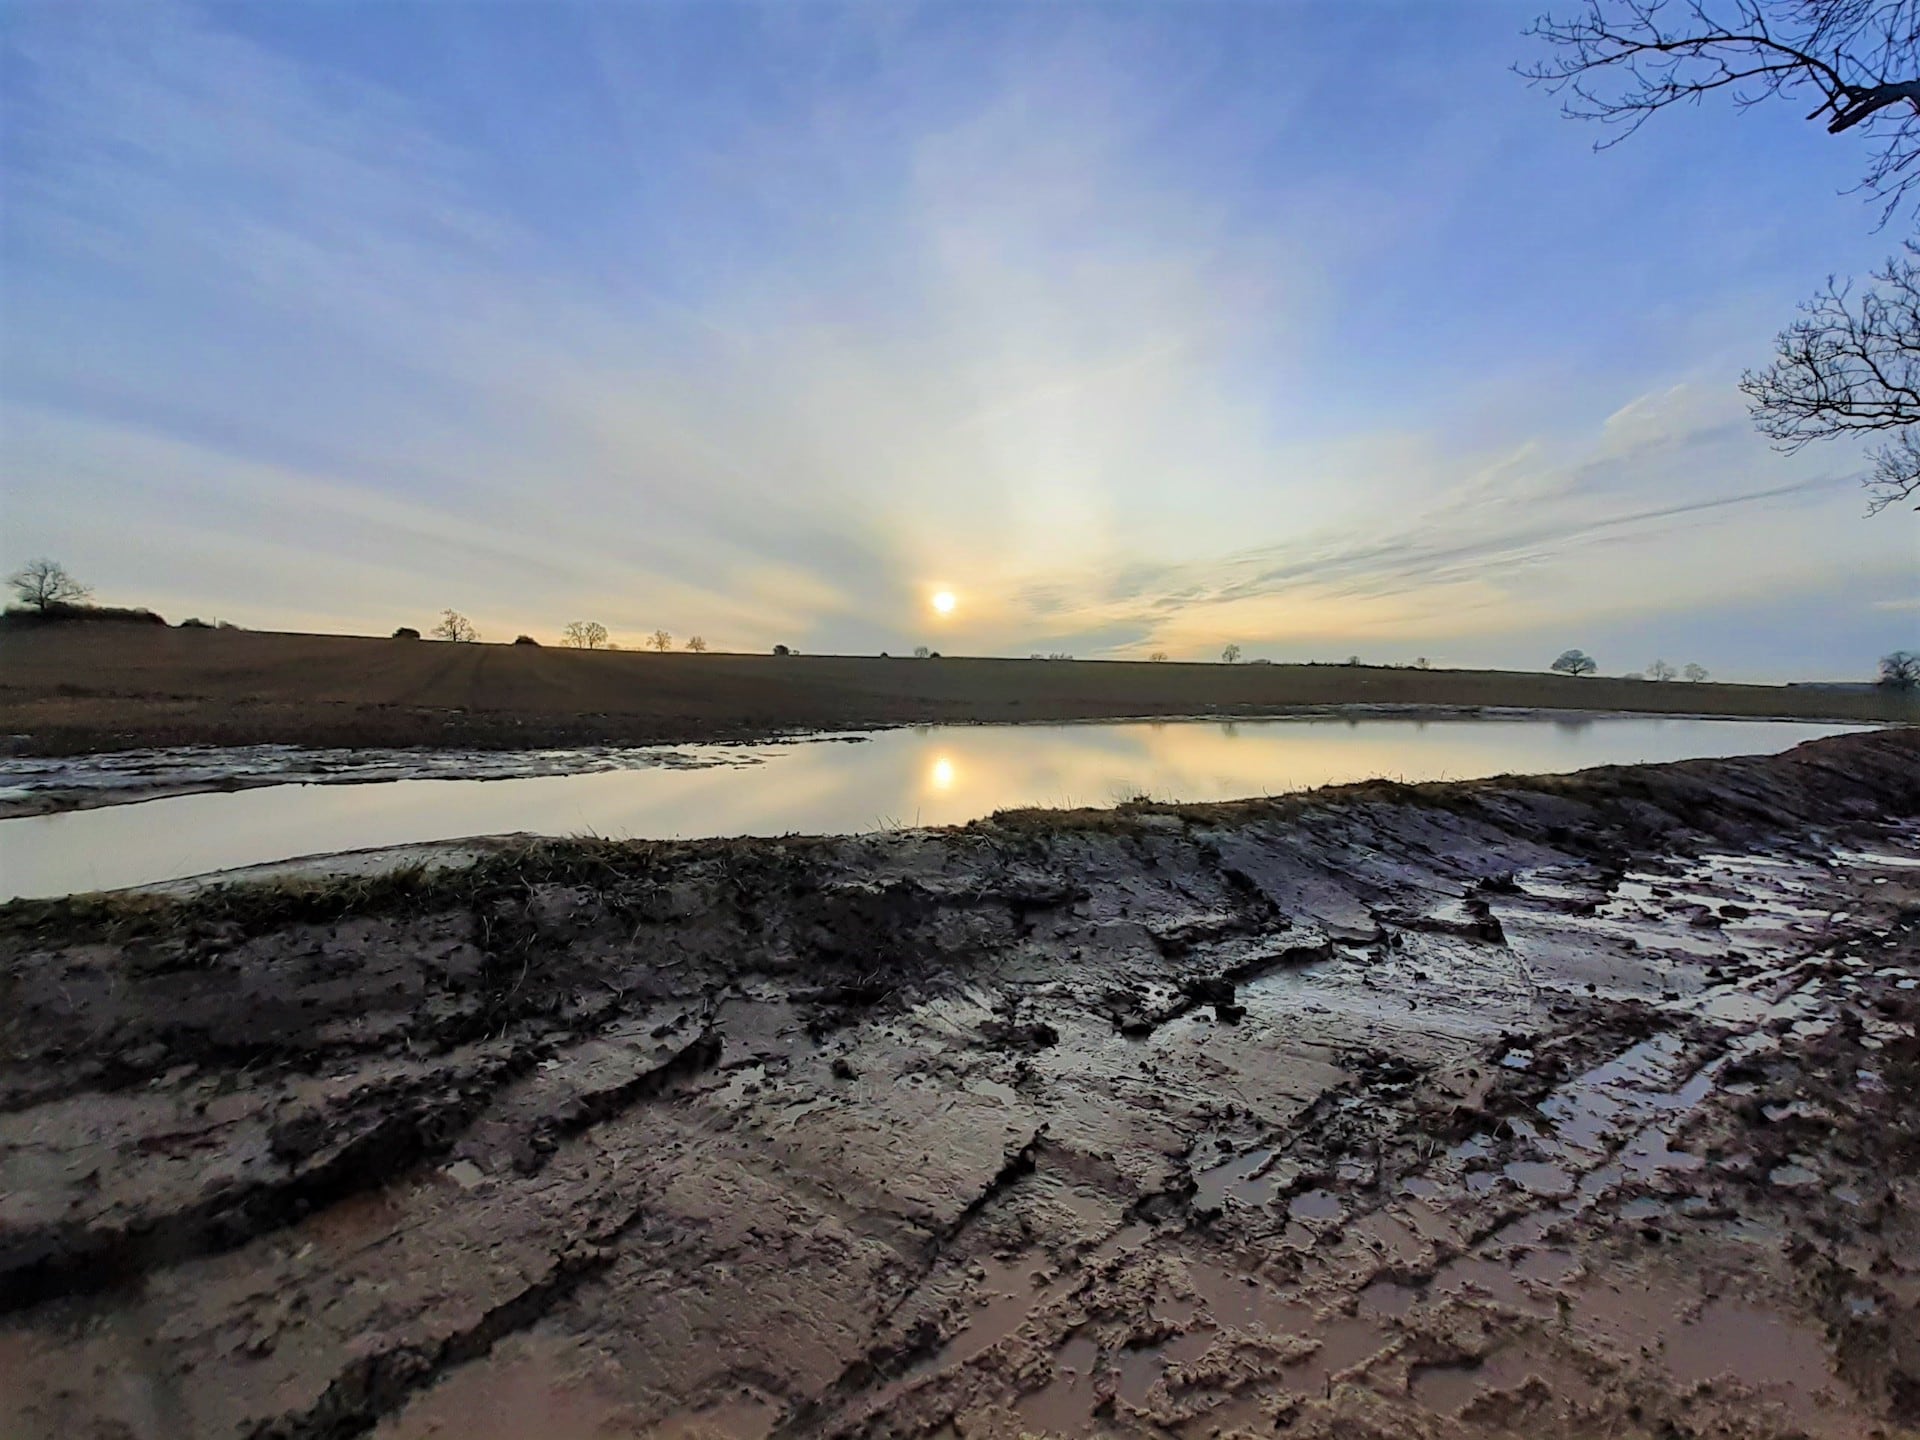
944,602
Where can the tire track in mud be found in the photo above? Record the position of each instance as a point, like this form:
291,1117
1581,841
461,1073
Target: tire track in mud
407,1127
1405,1026
1638,1099
378,1385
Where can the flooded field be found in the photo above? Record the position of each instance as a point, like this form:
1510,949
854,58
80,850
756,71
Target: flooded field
286,802
1549,1109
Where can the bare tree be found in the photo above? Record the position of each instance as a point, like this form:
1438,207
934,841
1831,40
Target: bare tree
1158,656
455,626
1850,365
1622,61
1695,671
1900,670
660,640
921,652
696,645
1660,670
585,634
1575,662
1421,663
44,584
1231,654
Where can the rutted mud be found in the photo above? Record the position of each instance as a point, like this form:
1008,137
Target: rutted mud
1565,1107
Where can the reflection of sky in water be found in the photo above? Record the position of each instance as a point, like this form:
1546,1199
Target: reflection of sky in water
921,776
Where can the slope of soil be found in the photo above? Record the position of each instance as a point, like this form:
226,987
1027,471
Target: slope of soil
80,689
1565,1107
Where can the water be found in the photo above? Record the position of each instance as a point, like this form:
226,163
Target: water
927,776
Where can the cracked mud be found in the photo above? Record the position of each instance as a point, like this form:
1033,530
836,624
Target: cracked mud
1559,1107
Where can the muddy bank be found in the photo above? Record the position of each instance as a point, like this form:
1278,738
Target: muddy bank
47,785
1560,1107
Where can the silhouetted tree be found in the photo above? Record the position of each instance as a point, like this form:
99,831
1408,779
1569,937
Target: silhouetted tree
406,632
921,652
1575,662
1622,61
1850,365
1660,670
455,626
1695,671
585,634
1900,670
1421,663
1157,656
43,584
1353,659
525,640
1231,654
661,640
696,644
782,650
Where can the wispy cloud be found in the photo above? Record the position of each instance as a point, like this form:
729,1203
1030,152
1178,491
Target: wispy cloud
1068,315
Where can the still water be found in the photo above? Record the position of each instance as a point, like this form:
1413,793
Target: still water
928,776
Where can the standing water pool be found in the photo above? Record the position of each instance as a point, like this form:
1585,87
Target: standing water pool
941,775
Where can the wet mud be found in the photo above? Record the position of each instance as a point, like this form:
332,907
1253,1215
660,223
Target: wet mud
49,785
1572,1106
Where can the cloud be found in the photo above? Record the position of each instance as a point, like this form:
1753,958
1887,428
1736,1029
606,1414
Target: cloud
987,311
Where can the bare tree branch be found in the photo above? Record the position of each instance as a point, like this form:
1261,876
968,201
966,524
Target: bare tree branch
1850,365
1621,61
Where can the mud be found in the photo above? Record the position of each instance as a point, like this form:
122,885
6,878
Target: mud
1565,1107
46,785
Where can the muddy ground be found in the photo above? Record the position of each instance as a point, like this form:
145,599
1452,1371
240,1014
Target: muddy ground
51,785
82,689
1578,1106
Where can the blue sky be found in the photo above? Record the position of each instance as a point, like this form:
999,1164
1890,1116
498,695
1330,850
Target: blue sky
1137,326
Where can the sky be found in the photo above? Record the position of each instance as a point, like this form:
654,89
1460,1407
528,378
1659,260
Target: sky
1136,327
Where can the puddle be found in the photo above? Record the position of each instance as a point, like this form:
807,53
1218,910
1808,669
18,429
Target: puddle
1066,1403
1753,1346
1449,1389
1540,1177
1242,1179
1315,1205
899,778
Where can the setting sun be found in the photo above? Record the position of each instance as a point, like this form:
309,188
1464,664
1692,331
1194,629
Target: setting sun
944,602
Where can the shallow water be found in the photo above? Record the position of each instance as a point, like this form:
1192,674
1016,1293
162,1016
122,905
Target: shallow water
899,778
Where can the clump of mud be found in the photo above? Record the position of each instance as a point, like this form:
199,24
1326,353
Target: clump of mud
1565,1107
